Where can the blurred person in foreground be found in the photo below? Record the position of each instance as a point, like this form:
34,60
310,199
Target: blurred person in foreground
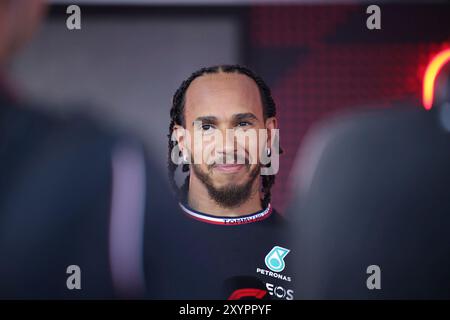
371,205
72,194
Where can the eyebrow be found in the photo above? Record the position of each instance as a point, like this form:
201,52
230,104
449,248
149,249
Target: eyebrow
206,119
244,116
235,118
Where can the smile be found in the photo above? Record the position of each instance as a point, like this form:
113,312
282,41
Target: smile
228,168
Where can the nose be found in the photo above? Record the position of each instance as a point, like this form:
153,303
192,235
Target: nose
227,149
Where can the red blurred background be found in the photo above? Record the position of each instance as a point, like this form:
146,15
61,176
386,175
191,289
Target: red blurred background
322,59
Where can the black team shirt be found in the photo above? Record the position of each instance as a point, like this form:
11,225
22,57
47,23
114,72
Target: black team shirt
193,255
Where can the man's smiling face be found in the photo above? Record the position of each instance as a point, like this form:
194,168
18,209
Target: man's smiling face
214,104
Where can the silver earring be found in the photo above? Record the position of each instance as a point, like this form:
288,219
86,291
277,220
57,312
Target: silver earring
269,152
185,158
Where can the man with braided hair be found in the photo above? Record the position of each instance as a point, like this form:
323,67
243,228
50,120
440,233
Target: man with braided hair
227,241
223,97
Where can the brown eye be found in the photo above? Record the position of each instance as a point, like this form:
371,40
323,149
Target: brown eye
207,127
244,124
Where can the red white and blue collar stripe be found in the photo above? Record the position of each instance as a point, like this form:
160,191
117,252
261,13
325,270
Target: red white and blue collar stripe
228,221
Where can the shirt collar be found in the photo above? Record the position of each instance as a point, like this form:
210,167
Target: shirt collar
229,221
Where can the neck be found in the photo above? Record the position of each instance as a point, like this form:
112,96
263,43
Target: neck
199,199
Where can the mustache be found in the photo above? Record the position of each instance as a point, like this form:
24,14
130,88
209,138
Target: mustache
233,158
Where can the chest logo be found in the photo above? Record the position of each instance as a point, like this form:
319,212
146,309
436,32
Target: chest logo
275,258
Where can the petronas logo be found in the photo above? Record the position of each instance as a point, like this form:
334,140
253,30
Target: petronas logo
275,258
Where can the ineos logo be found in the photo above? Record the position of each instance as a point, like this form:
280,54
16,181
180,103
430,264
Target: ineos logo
280,292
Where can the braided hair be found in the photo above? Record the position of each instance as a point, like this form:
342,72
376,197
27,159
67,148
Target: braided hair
177,118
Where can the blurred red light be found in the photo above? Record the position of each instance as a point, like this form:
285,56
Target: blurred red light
429,78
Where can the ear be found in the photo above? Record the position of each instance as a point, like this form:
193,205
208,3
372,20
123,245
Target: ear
180,134
271,123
